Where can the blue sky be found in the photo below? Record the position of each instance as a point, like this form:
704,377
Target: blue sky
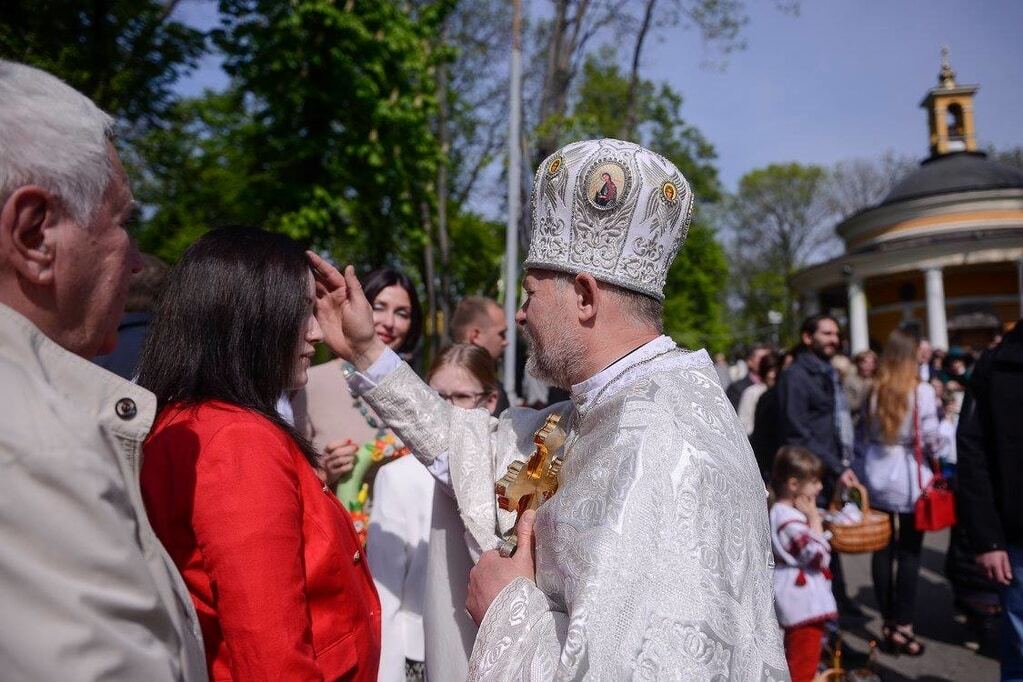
841,80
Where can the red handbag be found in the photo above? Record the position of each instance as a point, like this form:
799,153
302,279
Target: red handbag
935,509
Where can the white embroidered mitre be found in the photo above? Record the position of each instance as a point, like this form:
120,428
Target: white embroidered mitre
610,208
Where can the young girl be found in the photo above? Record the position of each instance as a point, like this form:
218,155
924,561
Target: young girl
399,546
802,582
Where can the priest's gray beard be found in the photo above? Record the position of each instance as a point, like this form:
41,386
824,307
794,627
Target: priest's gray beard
554,356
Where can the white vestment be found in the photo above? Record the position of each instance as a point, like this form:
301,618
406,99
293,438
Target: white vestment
653,560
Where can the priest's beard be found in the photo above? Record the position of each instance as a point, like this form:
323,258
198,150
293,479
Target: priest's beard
554,356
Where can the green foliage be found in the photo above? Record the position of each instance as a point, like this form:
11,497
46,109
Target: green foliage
124,54
694,309
340,98
779,219
477,245
189,174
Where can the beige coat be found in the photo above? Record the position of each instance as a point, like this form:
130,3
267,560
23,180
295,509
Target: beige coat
86,588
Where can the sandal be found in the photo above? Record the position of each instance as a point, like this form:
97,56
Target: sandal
898,641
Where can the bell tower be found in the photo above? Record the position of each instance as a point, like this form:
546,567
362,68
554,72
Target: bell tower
950,112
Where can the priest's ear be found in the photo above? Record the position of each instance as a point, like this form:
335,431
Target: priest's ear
587,297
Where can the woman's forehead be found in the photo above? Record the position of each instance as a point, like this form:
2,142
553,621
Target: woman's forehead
395,295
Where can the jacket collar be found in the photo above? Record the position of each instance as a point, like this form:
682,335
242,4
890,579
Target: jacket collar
813,363
119,406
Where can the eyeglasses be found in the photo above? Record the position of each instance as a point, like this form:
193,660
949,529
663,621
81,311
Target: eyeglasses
468,400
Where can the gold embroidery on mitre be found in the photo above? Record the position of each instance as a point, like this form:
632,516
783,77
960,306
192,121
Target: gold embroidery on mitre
669,192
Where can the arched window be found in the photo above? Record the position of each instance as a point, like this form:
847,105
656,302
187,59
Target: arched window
956,129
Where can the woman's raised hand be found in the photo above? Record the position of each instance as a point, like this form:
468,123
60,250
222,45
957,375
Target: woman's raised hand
344,314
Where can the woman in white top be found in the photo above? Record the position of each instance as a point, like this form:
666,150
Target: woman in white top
768,372
400,523
901,410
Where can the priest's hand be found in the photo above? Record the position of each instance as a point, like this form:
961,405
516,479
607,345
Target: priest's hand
344,314
493,572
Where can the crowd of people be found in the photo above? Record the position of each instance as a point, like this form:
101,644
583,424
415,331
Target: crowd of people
821,423
186,497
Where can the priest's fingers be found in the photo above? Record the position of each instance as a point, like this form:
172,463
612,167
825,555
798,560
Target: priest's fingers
355,293
524,534
325,272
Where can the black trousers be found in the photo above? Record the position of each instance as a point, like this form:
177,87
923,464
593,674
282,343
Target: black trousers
896,571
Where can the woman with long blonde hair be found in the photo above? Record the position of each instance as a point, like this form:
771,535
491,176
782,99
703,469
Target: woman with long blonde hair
901,412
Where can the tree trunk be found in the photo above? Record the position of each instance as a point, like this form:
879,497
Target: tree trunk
628,128
442,192
429,275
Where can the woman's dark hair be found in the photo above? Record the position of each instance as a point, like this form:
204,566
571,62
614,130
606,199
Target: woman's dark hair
381,278
767,363
229,324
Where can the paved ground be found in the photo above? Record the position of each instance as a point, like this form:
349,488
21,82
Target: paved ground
938,626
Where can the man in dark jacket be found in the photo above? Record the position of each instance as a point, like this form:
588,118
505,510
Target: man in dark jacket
989,443
813,414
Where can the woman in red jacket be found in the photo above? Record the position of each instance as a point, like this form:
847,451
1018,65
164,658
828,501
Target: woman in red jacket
269,555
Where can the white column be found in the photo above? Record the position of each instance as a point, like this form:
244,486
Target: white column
1019,271
859,336
937,325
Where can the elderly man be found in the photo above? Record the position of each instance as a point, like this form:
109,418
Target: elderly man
653,559
480,321
88,591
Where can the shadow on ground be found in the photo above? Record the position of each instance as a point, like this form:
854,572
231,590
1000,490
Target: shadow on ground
939,627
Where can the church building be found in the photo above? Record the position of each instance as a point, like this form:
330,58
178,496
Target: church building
943,251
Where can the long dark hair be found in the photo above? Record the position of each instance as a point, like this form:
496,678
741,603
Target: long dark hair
229,324
381,278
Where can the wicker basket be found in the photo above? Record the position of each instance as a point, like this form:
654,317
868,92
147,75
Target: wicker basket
871,534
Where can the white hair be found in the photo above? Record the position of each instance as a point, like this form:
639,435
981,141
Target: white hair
52,136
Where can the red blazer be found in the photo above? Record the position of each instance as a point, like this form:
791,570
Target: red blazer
270,557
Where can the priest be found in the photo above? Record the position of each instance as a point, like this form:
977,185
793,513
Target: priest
653,559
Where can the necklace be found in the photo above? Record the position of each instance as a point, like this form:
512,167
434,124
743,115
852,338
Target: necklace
576,415
627,371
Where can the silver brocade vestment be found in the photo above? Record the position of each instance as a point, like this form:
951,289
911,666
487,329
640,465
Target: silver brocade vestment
653,560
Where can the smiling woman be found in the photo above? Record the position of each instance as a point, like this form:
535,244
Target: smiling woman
352,440
273,565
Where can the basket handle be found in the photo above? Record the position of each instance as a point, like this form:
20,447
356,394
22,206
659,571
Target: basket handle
864,497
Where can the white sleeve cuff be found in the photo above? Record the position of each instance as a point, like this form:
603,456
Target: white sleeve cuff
441,471
360,382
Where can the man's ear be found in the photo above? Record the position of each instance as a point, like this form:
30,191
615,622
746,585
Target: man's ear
23,222
587,295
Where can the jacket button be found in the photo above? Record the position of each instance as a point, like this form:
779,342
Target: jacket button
358,557
126,409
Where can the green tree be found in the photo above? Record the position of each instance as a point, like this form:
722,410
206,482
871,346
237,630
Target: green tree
340,99
124,54
779,220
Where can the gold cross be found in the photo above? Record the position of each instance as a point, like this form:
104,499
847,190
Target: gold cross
527,485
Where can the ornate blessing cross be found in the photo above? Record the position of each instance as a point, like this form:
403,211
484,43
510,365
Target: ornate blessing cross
527,485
